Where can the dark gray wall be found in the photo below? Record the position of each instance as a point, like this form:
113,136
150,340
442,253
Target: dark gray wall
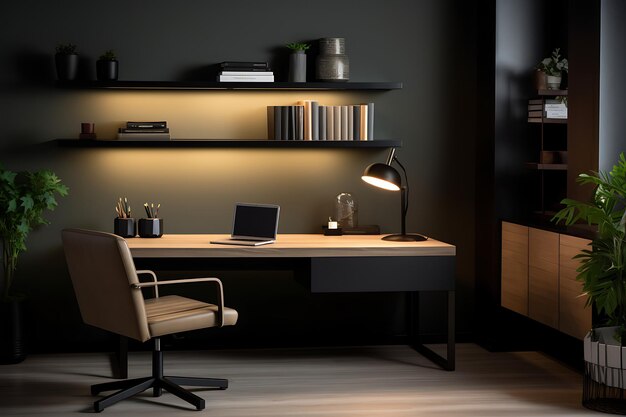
428,45
612,84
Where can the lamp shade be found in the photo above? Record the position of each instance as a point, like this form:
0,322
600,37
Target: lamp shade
382,176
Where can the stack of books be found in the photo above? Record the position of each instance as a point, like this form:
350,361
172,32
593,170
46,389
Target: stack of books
555,109
256,72
144,131
307,120
538,110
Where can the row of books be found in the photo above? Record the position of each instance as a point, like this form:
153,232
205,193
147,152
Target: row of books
550,109
309,121
236,71
144,131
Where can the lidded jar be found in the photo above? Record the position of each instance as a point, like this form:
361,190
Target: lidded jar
346,210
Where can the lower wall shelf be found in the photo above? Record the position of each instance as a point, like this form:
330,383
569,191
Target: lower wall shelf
229,143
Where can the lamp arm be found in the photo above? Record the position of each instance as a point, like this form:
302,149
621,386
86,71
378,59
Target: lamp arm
405,203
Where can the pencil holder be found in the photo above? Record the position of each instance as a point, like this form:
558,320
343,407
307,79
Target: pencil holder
124,227
150,227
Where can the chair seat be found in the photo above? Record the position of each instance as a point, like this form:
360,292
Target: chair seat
173,314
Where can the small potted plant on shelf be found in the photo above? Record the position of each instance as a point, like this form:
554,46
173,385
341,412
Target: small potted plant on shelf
107,66
603,275
297,62
553,68
66,61
24,197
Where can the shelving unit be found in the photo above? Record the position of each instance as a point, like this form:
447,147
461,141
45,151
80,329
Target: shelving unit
551,151
214,85
232,143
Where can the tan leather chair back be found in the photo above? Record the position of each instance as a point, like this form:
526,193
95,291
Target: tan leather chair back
102,271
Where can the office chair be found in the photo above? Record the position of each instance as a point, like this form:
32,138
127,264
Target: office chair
110,297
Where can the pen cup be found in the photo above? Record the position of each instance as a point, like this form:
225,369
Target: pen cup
124,227
150,227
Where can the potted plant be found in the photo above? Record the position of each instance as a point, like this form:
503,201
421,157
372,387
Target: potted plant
66,61
297,62
107,66
603,275
23,199
553,67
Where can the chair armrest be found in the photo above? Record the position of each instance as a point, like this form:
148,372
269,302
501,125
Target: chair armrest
220,301
154,278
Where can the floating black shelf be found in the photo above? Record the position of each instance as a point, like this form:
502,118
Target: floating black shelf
214,85
230,143
546,167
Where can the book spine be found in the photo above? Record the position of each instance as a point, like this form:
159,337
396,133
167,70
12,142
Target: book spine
146,125
315,113
330,123
337,119
322,127
300,127
242,64
284,129
344,122
350,122
308,128
363,122
357,122
271,126
293,128
370,121
140,131
248,73
235,78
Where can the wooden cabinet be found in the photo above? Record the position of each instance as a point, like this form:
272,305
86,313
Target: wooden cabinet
543,277
514,290
574,317
539,278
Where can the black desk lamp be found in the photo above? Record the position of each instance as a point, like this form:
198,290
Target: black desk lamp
386,177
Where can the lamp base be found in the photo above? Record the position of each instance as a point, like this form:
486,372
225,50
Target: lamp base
409,237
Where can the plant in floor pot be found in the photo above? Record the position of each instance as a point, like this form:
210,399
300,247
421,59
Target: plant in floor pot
66,61
553,67
24,197
603,274
107,66
297,62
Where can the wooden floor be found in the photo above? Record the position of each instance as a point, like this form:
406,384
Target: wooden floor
367,381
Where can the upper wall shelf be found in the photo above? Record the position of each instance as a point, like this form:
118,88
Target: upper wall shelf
230,143
214,85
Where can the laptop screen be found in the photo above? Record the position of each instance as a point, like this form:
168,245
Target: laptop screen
256,220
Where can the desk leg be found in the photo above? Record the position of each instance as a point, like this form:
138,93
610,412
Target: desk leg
447,363
120,359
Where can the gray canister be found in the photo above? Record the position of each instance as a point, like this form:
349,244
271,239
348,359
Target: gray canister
332,64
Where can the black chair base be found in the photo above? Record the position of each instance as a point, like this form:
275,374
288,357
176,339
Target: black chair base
130,387
172,384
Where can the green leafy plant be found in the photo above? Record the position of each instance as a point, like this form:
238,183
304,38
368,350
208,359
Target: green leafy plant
602,269
108,56
295,46
66,49
554,65
24,197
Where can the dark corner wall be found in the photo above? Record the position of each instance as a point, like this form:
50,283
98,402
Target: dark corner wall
428,45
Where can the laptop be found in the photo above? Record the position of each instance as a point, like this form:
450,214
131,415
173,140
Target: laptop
253,225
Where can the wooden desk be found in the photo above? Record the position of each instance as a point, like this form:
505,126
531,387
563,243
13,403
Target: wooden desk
332,264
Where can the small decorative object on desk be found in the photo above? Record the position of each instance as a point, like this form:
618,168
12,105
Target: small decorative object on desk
553,67
87,131
346,210
332,229
332,64
152,226
124,223
107,67
297,62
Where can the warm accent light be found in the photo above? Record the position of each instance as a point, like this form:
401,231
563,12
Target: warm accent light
386,177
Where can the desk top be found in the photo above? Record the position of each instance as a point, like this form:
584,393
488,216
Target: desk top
286,246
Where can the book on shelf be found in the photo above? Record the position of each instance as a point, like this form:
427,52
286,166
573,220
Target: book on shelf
146,125
284,114
243,64
337,120
146,130
357,123
350,122
363,124
322,122
315,132
148,136
330,123
248,73
344,122
246,78
535,113
370,121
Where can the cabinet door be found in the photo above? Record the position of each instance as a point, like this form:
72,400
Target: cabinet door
574,317
543,277
514,279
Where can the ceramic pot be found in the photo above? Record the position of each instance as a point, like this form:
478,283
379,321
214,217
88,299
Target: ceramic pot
106,70
539,79
553,82
332,64
297,67
67,66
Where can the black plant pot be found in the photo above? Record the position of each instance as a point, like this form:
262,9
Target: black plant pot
12,348
106,70
124,227
67,66
150,227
